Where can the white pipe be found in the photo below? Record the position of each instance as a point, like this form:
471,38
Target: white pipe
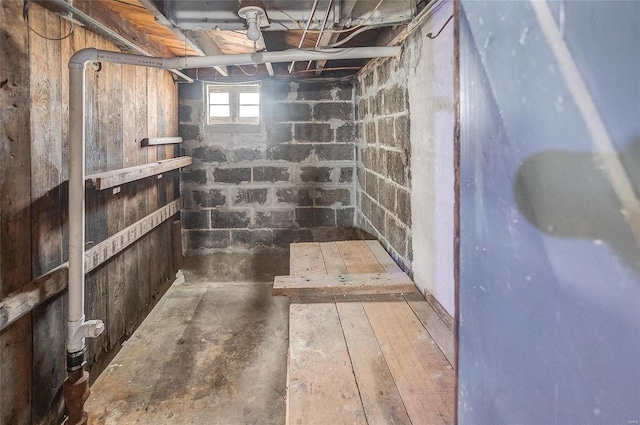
304,33
320,34
77,328
75,319
282,56
95,55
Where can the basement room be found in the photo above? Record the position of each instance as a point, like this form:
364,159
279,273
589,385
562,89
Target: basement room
319,212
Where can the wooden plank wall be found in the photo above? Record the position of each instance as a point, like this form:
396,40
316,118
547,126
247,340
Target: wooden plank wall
124,105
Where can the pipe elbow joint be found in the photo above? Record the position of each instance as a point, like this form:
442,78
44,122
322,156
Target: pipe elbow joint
81,57
93,328
79,330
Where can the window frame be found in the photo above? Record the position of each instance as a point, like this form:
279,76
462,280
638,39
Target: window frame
234,91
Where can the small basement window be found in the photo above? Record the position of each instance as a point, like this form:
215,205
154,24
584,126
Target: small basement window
233,104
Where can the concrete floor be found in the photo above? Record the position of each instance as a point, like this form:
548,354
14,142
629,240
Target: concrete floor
209,353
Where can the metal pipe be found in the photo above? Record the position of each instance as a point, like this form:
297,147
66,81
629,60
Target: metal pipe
304,33
322,28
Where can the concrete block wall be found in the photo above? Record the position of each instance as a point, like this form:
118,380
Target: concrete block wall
290,180
384,157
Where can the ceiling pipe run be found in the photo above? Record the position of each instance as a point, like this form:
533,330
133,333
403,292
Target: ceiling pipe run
306,29
322,29
78,329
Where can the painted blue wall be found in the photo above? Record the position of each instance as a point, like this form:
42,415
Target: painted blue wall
549,268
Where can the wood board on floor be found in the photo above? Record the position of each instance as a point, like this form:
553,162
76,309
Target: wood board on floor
382,343
343,284
341,268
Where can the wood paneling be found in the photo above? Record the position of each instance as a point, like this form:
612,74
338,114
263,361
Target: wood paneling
15,211
48,321
123,107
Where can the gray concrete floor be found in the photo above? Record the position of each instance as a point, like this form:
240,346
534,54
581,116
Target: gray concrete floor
209,353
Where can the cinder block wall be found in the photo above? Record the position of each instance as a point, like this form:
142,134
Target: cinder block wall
384,157
291,180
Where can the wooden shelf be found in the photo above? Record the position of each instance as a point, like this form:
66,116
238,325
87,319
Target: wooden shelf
152,141
101,181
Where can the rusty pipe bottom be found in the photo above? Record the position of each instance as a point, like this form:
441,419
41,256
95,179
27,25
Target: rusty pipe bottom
76,392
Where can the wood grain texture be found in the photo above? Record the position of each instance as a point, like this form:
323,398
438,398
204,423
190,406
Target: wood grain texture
322,388
150,141
109,179
36,292
358,257
332,259
115,200
380,398
444,315
48,330
424,378
433,323
401,373
306,258
142,125
34,94
15,372
129,194
15,210
25,299
176,243
97,283
152,194
383,257
115,244
343,284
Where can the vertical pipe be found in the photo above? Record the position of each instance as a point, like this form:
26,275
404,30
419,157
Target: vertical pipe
76,385
76,202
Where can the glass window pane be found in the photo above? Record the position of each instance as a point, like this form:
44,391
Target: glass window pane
219,111
249,98
249,111
219,98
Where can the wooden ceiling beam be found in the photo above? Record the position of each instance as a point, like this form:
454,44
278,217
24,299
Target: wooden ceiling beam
115,23
162,20
210,48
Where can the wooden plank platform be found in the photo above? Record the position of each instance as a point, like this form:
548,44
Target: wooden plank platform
341,268
343,284
365,359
